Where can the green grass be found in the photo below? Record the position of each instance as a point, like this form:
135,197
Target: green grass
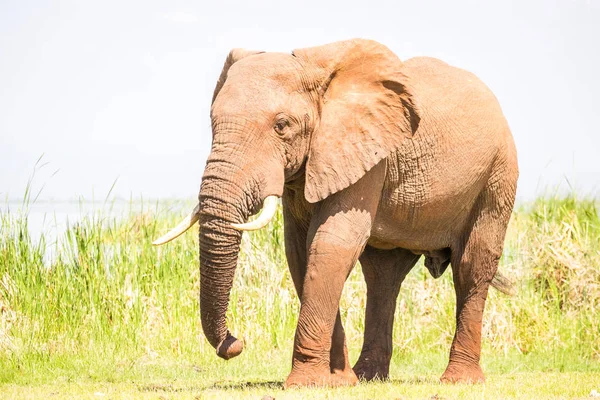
112,316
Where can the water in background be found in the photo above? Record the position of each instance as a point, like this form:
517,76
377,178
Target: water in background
51,218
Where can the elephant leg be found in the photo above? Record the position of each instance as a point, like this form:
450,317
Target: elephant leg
295,244
296,252
337,235
330,260
384,272
339,363
474,264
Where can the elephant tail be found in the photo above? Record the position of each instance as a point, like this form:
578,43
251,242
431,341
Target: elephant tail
503,284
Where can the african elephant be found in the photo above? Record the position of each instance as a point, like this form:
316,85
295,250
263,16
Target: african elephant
372,158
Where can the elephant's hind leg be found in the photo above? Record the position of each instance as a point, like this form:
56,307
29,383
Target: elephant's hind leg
384,272
474,264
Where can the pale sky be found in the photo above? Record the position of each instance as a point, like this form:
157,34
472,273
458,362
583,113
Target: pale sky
121,90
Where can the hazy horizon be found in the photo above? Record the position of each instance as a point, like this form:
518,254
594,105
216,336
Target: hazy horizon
120,91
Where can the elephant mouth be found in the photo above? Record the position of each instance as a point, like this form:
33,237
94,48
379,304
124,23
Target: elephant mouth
265,216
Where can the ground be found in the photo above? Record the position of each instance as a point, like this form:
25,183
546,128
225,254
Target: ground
509,377
520,385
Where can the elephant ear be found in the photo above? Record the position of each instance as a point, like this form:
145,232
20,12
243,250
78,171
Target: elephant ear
234,56
367,110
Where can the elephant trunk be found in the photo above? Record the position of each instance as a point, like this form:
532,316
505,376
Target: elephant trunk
228,195
219,247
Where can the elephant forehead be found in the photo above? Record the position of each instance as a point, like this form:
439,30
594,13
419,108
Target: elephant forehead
252,97
271,69
250,89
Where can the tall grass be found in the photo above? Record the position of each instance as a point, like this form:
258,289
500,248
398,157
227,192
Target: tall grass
107,299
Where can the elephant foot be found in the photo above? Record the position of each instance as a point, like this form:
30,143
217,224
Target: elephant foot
368,371
463,374
346,374
325,379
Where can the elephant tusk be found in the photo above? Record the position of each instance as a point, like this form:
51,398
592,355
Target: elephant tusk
180,228
266,215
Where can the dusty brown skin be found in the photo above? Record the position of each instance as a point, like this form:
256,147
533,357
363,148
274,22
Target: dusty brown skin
375,159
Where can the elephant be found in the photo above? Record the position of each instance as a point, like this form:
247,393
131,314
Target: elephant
373,159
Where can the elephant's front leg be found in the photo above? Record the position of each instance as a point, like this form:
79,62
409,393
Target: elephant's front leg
296,254
337,235
331,257
384,272
339,363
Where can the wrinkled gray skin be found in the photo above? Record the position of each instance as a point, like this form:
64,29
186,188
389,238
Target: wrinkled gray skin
375,159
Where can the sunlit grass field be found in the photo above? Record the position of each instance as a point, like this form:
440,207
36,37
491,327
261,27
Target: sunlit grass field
100,312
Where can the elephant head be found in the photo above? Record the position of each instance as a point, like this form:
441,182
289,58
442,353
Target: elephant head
329,113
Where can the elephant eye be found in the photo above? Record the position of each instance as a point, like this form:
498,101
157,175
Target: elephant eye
280,126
